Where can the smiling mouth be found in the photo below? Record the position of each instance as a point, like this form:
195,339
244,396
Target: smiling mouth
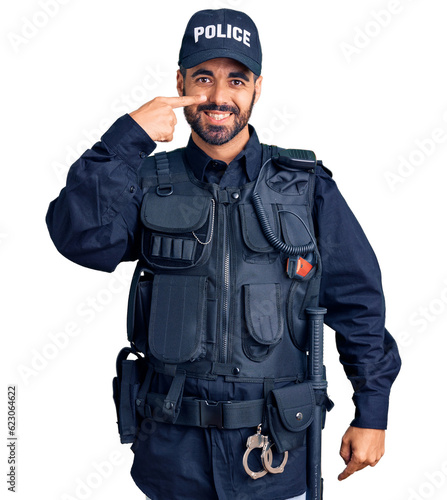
218,117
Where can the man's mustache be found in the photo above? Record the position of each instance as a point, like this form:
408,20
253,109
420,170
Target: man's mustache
214,107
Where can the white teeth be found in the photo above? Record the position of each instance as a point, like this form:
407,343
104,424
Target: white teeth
218,117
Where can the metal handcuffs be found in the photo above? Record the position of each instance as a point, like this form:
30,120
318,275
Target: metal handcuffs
260,441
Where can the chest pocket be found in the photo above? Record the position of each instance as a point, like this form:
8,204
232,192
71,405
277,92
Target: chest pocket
177,229
257,250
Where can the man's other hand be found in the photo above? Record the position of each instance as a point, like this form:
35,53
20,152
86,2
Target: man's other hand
360,448
157,117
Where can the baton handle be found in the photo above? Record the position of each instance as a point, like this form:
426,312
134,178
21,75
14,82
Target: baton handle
316,368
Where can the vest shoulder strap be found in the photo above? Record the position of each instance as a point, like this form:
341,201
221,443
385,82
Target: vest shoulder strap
163,170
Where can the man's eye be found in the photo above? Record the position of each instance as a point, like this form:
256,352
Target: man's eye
237,83
203,79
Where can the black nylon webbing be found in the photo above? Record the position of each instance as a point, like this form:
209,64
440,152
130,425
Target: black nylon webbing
163,171
234,414
173,400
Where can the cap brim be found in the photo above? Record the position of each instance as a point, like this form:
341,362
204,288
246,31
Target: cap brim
206,55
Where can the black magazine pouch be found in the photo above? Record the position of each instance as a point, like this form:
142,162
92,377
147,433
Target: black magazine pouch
290,411
130,375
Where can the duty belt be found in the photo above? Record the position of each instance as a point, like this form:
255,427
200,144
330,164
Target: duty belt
205,413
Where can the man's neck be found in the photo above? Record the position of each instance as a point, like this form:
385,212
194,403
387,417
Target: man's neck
226,152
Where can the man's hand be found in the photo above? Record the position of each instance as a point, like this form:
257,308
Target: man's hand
157,117
361,447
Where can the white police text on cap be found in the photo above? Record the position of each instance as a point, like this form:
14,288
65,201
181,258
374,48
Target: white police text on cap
213,31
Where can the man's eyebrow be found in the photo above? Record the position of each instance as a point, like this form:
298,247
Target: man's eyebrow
234,74
239,74
201,71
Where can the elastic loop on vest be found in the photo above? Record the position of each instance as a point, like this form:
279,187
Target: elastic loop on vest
165,187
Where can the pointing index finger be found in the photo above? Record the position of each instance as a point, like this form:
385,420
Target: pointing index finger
186,100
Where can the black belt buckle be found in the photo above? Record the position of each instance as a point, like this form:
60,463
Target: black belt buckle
211,413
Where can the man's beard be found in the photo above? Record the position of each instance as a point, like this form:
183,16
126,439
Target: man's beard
216,135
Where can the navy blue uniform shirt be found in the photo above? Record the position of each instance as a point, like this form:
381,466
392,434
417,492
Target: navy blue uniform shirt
95,222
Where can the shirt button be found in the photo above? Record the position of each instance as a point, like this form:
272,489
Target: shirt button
132,189
236,370
142,154
235,196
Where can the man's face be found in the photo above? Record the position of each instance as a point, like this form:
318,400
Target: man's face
231,93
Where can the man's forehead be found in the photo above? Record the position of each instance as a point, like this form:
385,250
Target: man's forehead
223,64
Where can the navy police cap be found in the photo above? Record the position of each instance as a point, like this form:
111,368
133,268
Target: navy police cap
221,33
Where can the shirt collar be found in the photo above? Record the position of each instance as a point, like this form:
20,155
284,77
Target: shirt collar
250,157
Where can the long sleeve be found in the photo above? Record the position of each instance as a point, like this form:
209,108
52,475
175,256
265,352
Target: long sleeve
351,290
93,222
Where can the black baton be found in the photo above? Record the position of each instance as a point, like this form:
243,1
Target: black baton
316,374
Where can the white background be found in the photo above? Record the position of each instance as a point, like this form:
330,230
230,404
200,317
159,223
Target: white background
66,77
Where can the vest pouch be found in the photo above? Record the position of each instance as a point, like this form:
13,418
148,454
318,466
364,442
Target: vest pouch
138,307
290,411
178,317
130,376
297,326
263,320
257,249
177,230
302,294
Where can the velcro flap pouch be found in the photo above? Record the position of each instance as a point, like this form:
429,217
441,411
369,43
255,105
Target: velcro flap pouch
175,213
290,411
178,318
263,319
176,229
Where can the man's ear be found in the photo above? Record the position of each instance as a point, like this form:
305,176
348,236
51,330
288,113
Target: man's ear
180,83
258,87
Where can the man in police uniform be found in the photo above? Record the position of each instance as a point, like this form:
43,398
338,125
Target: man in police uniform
95,222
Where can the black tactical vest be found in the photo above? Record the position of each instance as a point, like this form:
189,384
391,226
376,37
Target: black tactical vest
210,295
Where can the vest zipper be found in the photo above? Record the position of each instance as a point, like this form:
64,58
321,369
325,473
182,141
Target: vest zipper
225,290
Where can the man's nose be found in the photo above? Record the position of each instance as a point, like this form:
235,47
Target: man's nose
219,94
